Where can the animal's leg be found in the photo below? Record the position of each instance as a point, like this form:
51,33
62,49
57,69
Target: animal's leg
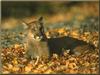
37,60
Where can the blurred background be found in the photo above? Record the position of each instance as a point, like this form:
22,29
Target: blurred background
65,10
54,12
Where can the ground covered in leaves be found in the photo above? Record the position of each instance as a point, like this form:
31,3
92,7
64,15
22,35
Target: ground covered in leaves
13,60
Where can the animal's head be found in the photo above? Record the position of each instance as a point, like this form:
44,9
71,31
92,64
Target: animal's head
36,29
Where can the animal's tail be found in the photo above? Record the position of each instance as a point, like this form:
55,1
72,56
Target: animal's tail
92,46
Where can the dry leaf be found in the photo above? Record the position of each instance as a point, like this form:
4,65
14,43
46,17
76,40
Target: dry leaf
72,66
17,46
49,71
86,64
10,66
5,72
15,69
15,61
28,68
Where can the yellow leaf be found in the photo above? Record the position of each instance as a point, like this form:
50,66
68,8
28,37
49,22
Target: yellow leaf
67,63
6,72
10,66
28,68
15,62
86,64
15,69
48,71
17,45
72,66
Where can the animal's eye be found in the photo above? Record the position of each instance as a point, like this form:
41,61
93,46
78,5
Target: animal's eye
34,29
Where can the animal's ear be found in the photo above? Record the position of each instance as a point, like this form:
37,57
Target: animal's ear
40,19
41,24
26,25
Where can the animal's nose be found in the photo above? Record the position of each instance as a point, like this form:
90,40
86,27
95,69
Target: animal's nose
39,37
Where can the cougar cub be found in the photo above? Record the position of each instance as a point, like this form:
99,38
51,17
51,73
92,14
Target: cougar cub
38,45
